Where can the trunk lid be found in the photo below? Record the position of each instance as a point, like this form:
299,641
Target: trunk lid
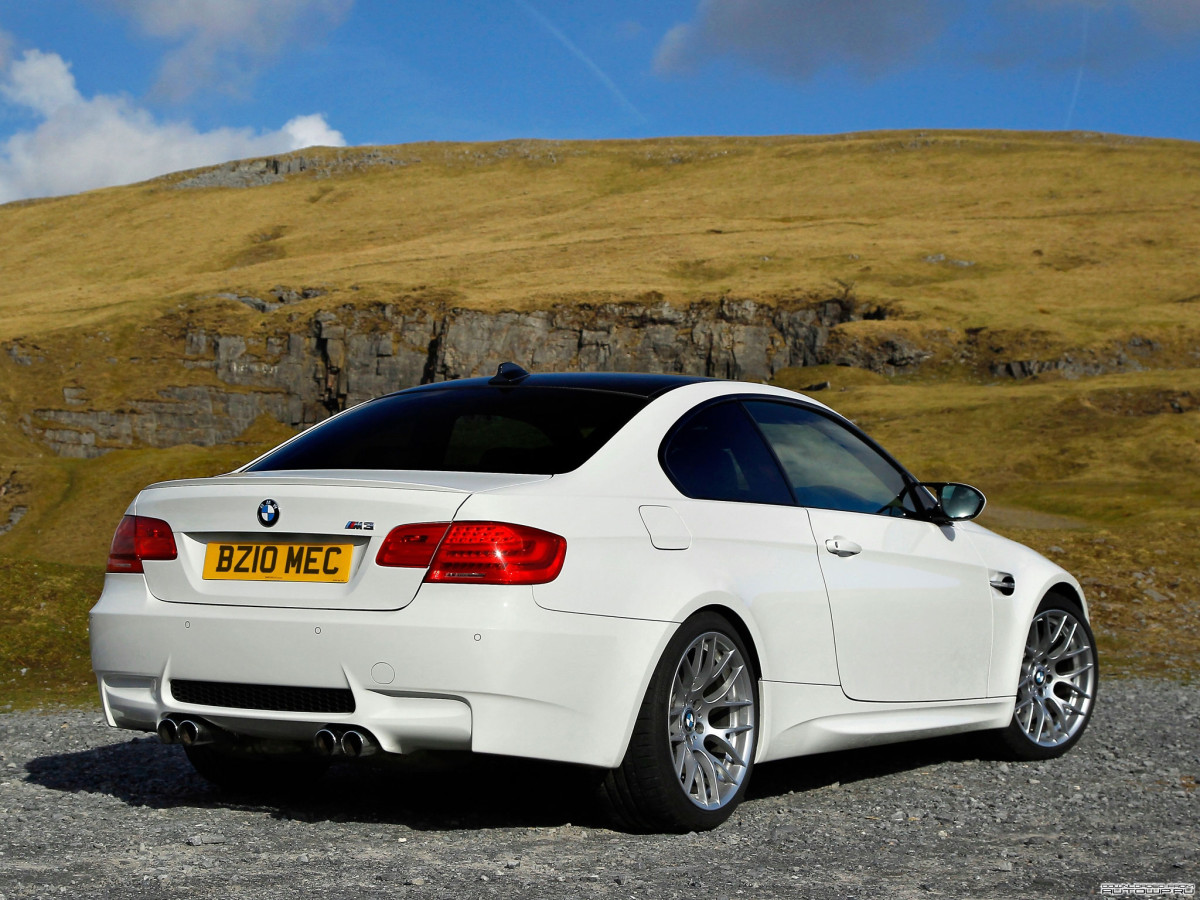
352,511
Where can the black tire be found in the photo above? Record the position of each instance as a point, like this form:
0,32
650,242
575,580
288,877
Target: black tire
1061,684
256,773
672,778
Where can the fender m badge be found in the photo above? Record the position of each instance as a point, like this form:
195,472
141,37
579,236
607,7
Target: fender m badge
268,513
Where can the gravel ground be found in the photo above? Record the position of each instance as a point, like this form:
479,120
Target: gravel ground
89,811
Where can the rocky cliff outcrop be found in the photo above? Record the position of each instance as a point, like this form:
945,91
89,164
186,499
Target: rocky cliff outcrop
343,356
305,370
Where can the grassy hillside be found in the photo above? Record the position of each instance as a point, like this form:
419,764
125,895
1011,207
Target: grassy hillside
1076,236
1020,246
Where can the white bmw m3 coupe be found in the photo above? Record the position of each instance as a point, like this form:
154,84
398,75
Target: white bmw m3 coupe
666,578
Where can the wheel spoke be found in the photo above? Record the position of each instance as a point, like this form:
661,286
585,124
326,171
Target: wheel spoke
1027,725
708,779
1075,673
678,689
694,660
1071,686
724,776
731,704
1062,623
685,766
1055,713
1076,652
724,746
730,680
1066,643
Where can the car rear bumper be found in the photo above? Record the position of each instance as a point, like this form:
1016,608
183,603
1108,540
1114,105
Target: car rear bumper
476,667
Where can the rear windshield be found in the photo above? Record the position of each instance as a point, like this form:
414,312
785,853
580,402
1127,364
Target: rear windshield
525,430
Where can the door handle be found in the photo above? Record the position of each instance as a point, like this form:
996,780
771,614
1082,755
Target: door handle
840,546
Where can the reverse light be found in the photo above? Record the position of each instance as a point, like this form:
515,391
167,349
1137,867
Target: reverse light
138,538
476,552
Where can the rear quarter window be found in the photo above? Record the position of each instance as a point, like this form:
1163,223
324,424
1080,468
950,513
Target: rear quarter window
718,454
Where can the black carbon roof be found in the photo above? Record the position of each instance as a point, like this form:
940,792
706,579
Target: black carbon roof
635,383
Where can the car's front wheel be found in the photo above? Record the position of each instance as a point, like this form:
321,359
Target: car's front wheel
692,749
1057,690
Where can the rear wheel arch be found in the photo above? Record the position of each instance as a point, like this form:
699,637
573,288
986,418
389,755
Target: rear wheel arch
656,786
736,621
741,627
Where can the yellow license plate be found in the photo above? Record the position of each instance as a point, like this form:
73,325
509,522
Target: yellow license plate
278,562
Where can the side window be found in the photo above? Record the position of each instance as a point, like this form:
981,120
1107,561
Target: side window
718,454
829,466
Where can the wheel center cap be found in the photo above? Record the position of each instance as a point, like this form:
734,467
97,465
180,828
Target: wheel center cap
689,720
1039,676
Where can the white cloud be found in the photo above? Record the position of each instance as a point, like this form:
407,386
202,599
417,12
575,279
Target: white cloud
222,43
312,131
83,143
42,82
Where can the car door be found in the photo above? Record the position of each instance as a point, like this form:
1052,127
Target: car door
911,608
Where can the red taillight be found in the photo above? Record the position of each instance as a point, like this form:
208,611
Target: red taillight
411,546
497,553
138,538
476,552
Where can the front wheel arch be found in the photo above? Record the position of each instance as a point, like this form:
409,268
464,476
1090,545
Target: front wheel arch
1069,593
1059,672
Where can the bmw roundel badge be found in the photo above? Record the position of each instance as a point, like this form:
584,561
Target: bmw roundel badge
268,513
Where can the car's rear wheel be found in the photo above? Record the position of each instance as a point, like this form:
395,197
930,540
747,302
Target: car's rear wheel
255,772
1057,689
692,749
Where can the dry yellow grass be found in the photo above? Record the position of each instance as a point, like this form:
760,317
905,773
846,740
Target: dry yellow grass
1079,237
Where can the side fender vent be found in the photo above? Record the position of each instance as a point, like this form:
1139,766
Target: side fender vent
1003,582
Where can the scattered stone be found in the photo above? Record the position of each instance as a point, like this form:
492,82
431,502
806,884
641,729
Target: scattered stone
197,840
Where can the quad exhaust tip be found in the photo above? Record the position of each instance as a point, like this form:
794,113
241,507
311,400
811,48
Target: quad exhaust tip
327,742
189,732
357,742
194,734
168,731
351,742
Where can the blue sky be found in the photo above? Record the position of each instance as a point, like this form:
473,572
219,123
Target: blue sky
98,92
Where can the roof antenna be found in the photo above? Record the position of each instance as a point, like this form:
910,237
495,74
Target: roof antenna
508,373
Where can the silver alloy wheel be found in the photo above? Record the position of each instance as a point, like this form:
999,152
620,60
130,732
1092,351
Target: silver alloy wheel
1058,679
710,720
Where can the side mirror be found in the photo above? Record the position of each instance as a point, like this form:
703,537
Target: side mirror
955,502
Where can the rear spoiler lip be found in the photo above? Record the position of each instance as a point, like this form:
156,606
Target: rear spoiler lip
454,482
